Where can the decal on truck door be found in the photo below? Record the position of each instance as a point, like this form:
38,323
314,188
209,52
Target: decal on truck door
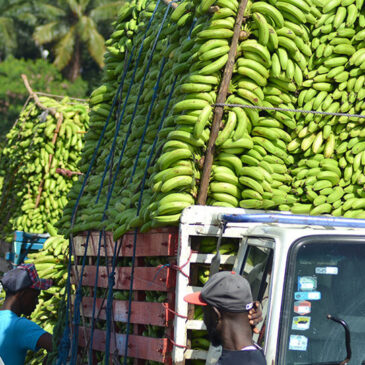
302,307
301,323
328,270
307,295
307,283
298,343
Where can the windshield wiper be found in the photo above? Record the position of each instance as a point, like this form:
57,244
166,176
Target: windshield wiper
347,343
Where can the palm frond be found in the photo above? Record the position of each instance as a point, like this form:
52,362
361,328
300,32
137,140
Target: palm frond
64,49
84,4
7,35
106,11
94,40
75,8
48,12
49,32
28,18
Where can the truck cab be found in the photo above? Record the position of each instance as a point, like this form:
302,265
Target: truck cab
307,272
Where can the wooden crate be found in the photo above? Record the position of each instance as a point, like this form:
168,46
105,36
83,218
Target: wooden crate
160,242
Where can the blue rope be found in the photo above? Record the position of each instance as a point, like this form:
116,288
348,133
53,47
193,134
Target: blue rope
78,298
117,169
154,96
111,275
65,341
138,209
140,202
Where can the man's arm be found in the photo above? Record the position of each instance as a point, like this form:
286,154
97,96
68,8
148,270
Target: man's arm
45,342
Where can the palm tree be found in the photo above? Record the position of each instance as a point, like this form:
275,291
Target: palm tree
13,12
72,24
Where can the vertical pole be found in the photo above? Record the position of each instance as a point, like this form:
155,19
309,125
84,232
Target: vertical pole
218,111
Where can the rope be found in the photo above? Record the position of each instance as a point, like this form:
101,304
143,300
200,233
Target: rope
177,345
78,298
65,342
247,106
111,276
154,96
164,113
172,311
111,154
139,204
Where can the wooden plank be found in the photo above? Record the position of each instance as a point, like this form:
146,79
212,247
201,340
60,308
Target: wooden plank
145,278
218,110
159,242
148,348
154,314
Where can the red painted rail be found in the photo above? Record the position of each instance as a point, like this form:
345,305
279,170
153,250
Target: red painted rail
159,242
145,278
148,313
147,348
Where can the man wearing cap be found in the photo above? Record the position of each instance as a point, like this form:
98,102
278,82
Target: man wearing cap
227,301
18,334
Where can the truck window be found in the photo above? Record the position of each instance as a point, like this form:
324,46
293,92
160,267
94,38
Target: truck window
257,270
325,275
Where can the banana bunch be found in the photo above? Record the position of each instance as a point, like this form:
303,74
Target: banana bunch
36,167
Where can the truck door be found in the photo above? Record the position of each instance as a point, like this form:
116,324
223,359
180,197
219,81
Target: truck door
255,263
325,275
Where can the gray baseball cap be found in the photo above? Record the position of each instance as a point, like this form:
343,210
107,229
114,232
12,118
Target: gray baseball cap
225,290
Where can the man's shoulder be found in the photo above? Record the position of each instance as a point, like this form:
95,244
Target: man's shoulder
27,324
250,357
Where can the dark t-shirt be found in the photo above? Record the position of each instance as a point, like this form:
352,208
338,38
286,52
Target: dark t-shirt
247,357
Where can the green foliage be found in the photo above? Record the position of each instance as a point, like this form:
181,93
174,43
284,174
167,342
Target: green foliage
15,16
42,76
74,27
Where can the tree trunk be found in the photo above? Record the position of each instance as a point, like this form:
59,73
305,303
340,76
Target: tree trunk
74,68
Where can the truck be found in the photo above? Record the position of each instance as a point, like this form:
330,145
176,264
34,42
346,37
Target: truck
306,271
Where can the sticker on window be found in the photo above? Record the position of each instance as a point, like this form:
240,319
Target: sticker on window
301,323
307,283
328,270
307,295
302,307
298,343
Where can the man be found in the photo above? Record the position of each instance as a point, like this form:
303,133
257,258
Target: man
227,302
18,334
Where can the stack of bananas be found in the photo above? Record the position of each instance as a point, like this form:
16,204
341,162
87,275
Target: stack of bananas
328,175
281,62
185,54
25,165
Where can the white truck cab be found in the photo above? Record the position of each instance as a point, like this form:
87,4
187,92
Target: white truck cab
308,273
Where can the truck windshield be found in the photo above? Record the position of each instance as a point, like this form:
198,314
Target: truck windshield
325,275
